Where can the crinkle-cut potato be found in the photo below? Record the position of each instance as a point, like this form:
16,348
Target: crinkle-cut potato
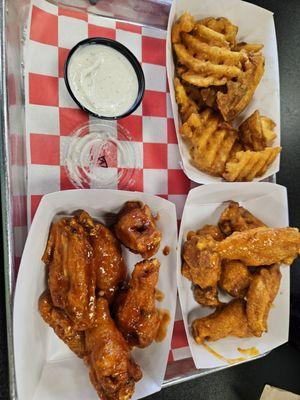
240,92
210,36
247,165
212,140
222,25
185,23
209,95
187,106
256,132
248,47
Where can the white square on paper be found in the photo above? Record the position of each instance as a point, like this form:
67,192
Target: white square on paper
108,178
169,104
71,31
43,179
180,354
64,145
101,21
134,148
139,110
65,99
179,201
154,32
155,77
154,130
131,40
48,58
42,119
20,234
174,158
156,181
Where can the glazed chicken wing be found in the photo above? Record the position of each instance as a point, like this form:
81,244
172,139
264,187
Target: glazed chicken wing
62,325
211,230
71,275
206,297
235,278
136,229
201,265
261,246
236,218
136,314
261,294
229,320
112,370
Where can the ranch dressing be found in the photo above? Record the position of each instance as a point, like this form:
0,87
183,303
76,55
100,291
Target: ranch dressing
102,80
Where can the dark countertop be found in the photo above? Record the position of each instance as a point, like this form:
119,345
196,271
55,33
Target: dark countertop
281,367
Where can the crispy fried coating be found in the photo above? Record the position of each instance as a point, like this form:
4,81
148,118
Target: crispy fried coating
235,278
201,265
187,105
136,229
261,246
112,370
223,26
256,132
206,297
212,230
62,325
184,24
248,47
237,218
247,165
71,276
136,314
240,92
209,95
229,320
210,36
261,294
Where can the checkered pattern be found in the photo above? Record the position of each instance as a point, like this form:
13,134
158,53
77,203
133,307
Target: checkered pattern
51,114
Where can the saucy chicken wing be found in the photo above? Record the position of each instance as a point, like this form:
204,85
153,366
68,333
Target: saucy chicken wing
261,246
236,218
62,325
229,320
136,229
136,314
71,277
212,230
206,297
261,294
112,370
235,278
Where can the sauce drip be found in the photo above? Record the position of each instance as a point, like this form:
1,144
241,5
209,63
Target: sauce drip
220,357
252,351
165,318
159,295
166,251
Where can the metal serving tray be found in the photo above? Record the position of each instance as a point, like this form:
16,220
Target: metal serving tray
14,15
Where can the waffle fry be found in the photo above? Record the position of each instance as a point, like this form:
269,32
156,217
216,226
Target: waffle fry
184,24
209,95
246,165
256,132
210,36
211,139
222,25
186,105
248,47
240,92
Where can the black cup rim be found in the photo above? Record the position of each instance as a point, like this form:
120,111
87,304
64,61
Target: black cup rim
130,57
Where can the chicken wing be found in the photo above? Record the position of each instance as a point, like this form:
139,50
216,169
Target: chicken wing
71,275
235,278
112,370
136,314
212,230
201,264
261,294
237,218
206,297
261,246
136,229
62,325
229,320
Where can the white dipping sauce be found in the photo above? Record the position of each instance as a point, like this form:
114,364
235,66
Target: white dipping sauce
102,80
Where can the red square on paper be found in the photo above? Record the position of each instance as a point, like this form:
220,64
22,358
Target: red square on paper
153,50
70,119
65,181
44,149
172,138
179,336
19,210
154,104
131,180
73,13
155,155
62,57
128,27
178,182
170,358
35,201
43,90
134,125
44,27
101,31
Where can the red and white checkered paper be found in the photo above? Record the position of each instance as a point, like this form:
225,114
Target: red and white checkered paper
52,116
